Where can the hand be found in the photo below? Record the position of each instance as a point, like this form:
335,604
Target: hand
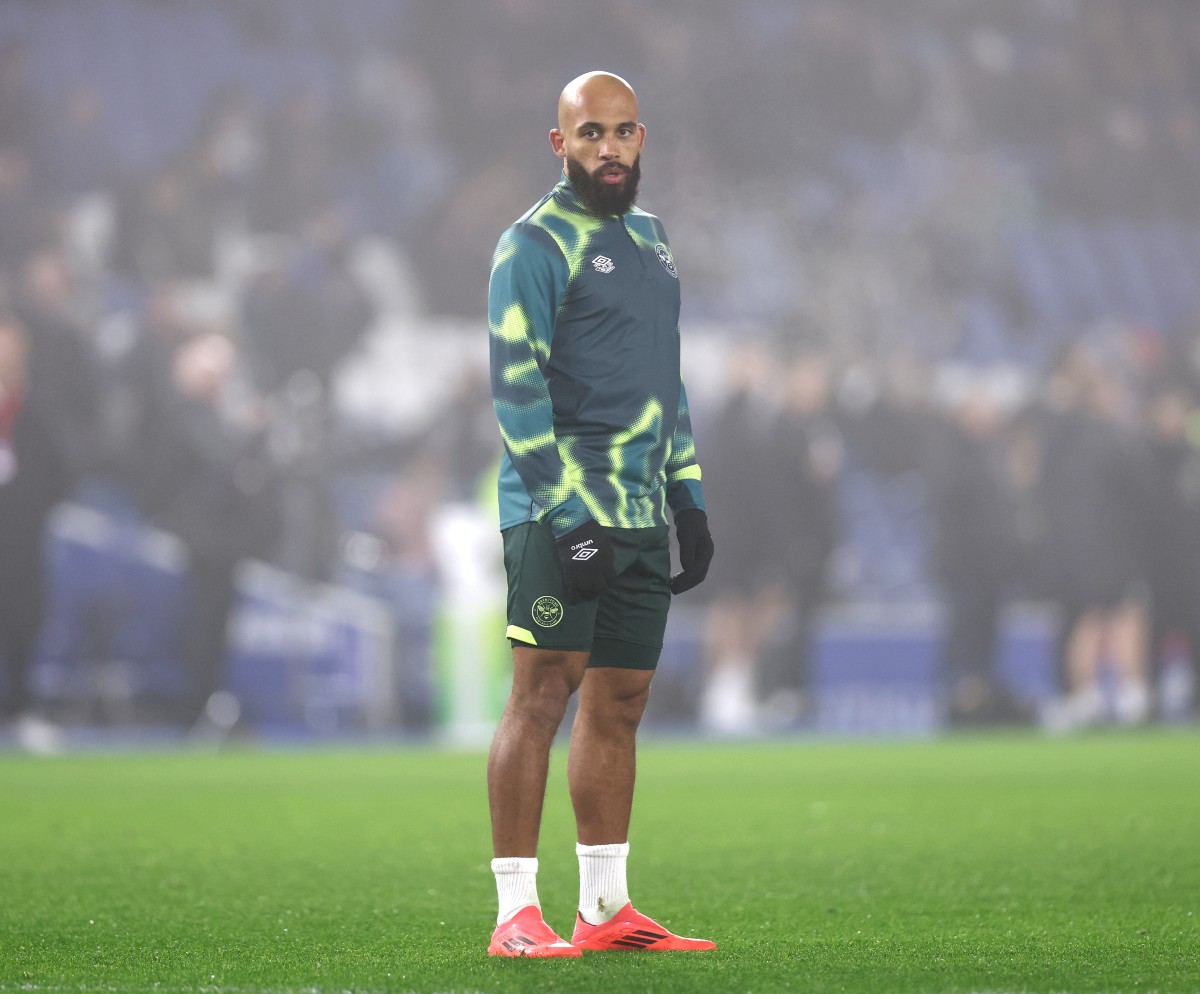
695,549
586,557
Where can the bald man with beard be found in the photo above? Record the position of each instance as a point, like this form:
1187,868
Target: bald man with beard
583,310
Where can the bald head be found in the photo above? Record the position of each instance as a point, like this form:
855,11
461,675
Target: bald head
600,140
594,90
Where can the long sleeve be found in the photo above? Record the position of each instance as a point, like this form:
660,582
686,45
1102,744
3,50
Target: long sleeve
683,473
529,276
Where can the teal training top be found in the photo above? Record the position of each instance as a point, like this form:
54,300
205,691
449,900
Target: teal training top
584,320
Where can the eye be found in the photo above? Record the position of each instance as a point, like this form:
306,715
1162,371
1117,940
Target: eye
625,132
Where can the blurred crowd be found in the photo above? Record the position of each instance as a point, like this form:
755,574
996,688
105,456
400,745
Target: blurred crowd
1077,489
916,229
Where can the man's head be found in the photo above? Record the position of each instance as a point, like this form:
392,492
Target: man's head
600,140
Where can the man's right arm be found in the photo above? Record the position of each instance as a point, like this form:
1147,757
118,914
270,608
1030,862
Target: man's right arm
529,276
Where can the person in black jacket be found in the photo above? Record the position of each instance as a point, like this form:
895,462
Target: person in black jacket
1172,531
745,589
976,546
199,468
24,487
807,453
47,403
1094,493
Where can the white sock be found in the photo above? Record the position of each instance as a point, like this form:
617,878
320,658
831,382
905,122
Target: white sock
516,884
603,890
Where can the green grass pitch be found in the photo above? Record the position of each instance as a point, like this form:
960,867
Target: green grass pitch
965,864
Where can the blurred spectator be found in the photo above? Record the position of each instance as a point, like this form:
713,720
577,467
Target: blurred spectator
1060,420
1172,554
165,231
297,176
17,117
408,173
1095,503
228,154
198,467
1023,458
306,310
301,316
75,151
886,413
47,413
402,517
807,452
21,211
25,500
746,582
464,439
976,552
63,360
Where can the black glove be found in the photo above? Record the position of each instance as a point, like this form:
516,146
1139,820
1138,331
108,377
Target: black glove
586,557
695,549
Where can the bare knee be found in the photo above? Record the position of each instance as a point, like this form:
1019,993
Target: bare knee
615,698
541,706
543,682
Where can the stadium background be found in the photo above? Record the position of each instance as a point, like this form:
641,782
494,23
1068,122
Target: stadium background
267,227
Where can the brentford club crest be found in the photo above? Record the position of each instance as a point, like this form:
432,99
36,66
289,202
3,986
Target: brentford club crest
664,256
547,611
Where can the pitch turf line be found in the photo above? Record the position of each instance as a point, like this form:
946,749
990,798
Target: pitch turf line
1022,865
221,989
159,989
206,989
203,989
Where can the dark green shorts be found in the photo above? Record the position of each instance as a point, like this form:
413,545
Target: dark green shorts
624,627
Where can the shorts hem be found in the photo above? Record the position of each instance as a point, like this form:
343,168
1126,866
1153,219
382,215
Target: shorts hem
612,653
514,642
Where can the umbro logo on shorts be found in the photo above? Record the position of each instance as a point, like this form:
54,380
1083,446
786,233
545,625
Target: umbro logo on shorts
584,553
603,264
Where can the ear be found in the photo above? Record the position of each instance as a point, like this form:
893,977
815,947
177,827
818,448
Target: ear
557,143
641,135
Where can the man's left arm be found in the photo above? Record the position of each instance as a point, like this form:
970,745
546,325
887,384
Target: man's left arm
685,497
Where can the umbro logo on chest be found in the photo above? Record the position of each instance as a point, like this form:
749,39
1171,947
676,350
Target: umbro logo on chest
603,264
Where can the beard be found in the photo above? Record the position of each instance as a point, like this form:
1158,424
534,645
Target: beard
604,199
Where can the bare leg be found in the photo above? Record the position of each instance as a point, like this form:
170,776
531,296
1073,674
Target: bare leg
602,763
1128,634
601,771
1085,706
543,682
738,626
1084,651
1129,637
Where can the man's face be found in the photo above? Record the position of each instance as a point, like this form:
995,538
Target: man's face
600,140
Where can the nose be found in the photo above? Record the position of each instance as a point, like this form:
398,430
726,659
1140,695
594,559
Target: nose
608,149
